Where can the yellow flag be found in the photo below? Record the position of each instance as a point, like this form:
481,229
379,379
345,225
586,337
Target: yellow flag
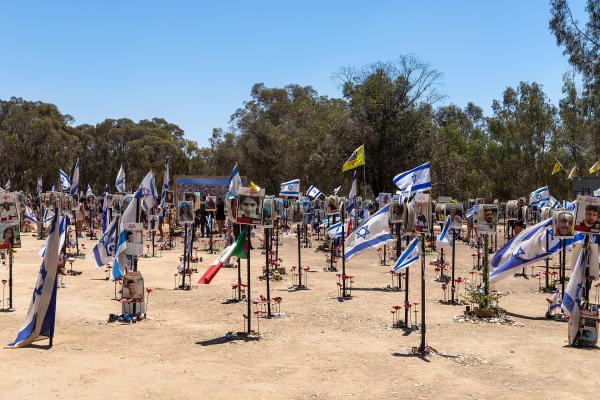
573,173
254,187
595,167
556,168
356,159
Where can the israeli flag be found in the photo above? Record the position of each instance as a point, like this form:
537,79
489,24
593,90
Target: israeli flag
75,178
41,316
147,191
89,191
416,180
409,255
313,192
574,293
371,233
290,188
553,203
64,180
569,205
336,190
235,183
334,231
539,197
445,238
597,192
39,185
105,209
120,181
165,186
353,193
528,247
29,215
105,248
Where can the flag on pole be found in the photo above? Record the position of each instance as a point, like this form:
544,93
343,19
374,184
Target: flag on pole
105,210
120,181
29,215
165,186
415,180
371,233
445,237
236,249
595,168
409,255
8,185
290,188
539,197
147,191
574,172
336,190
573,294
597,192
89,191
557,168
75,178
313,192
104,249
64,180
353,193
235,183
41,315
357,158
39,188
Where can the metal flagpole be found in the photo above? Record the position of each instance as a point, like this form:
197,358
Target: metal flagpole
423,327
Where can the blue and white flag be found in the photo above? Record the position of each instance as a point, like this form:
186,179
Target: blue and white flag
89,191
416,180
120,181
105,248
353,193
235,183
39,188
409,255
597,192
335,230
553,203
290,188
147,194
65,184
526,248
445,237
40,318
336,190
105,209
369,234
569,205
75,178
166,185
539,197
313,192
29,215
574,293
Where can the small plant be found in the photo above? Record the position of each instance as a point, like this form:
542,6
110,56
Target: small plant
487,304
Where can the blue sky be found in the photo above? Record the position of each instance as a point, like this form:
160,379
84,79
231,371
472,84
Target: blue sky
194,63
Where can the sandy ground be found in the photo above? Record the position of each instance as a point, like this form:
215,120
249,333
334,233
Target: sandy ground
322,348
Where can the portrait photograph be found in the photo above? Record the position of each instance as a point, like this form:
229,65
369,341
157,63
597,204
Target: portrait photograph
185,212
587,211
297,213
512,210
455,211
125,200
153,221
563,224
169,198
134,237
189,196
396,212
249,209
422,212
384,198
74,203
211,203
10,233
9,209
267,213
487,218
133,287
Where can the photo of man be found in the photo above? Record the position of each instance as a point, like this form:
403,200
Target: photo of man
211,203
487,218
587,213
134,239
455,211
563,224
133,287
384,198
396,212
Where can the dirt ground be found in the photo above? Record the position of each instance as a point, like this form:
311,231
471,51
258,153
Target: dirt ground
321,348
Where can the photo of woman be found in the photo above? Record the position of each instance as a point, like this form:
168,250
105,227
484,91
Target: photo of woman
249,209
185,212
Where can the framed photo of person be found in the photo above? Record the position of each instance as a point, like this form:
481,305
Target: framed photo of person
169,202
422,212
185,212
189,196
268,212
125,200
384,198
306,206
455,212
331,205
512,210
90,201
133,287
487,218
74,206
134,238
153,221
297,214
211,203
396,211
9,208
587,213
563,224
197,200
249,210
10,233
